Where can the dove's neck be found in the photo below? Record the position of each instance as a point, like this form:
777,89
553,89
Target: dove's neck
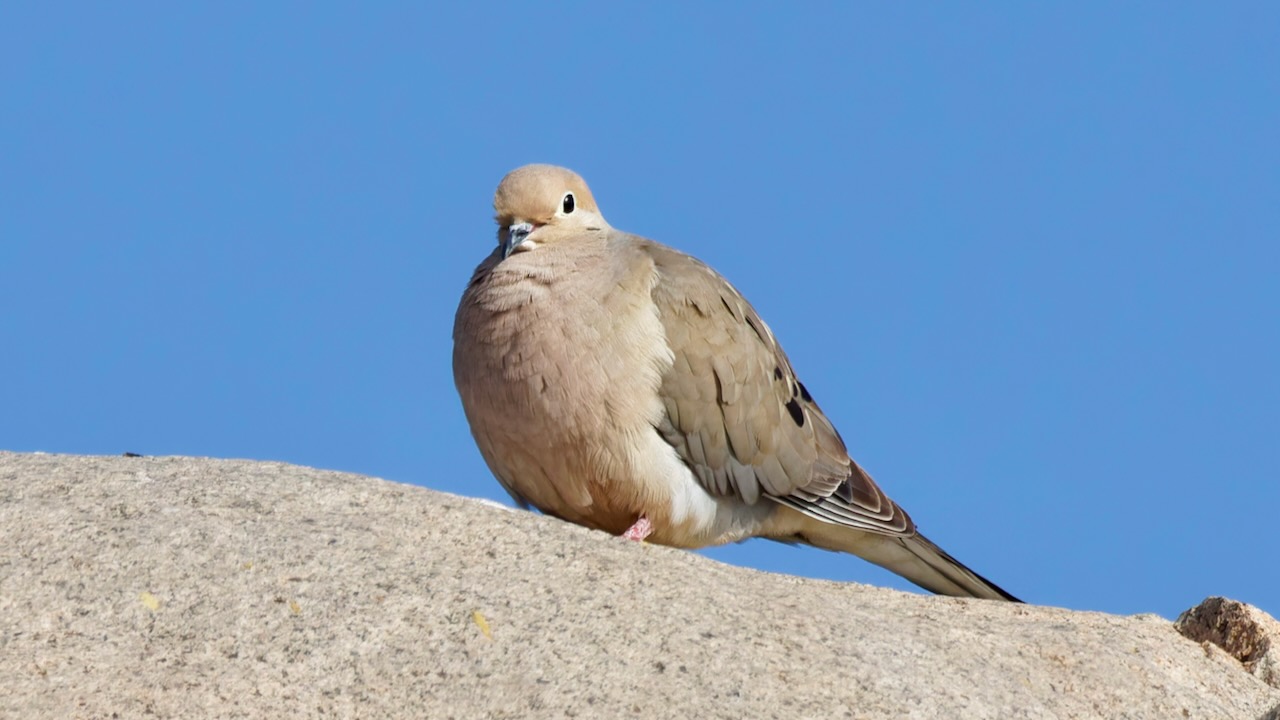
559,272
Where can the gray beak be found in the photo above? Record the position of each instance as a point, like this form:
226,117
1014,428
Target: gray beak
515,237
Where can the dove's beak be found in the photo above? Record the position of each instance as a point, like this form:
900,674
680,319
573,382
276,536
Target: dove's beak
515,237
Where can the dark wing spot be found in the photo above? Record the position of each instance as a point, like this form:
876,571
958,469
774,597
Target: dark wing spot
844,491
751,324
797,414
804,392
777,373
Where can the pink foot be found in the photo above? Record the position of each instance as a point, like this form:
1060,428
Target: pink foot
640,530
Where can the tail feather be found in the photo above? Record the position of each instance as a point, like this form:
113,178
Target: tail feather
957,575
914,557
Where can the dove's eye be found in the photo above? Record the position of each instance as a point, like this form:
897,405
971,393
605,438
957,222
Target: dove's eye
567,203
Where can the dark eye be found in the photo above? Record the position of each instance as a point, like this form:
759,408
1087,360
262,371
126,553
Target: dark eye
567,203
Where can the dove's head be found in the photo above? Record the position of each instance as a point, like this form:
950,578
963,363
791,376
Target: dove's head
540,204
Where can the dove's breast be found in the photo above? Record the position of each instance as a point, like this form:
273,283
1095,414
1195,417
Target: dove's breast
558,361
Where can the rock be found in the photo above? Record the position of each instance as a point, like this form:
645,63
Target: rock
183,587
1245,632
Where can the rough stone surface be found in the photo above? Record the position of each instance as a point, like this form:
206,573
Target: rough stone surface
182,587
1245,632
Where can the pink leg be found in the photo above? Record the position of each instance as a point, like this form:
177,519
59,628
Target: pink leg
640,530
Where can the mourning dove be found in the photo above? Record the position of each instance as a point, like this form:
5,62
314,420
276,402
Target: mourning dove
619,384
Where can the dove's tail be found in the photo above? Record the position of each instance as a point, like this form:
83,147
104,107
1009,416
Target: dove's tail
914,558
933,569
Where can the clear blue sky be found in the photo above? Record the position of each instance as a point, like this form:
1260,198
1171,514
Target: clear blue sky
1026,256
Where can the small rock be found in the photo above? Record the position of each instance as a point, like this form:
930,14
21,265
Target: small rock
1245,632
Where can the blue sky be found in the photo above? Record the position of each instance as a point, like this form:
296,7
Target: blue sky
1024,255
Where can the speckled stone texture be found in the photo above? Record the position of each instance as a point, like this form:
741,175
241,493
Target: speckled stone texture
184,588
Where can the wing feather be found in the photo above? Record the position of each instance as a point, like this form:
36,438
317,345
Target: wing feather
739,417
